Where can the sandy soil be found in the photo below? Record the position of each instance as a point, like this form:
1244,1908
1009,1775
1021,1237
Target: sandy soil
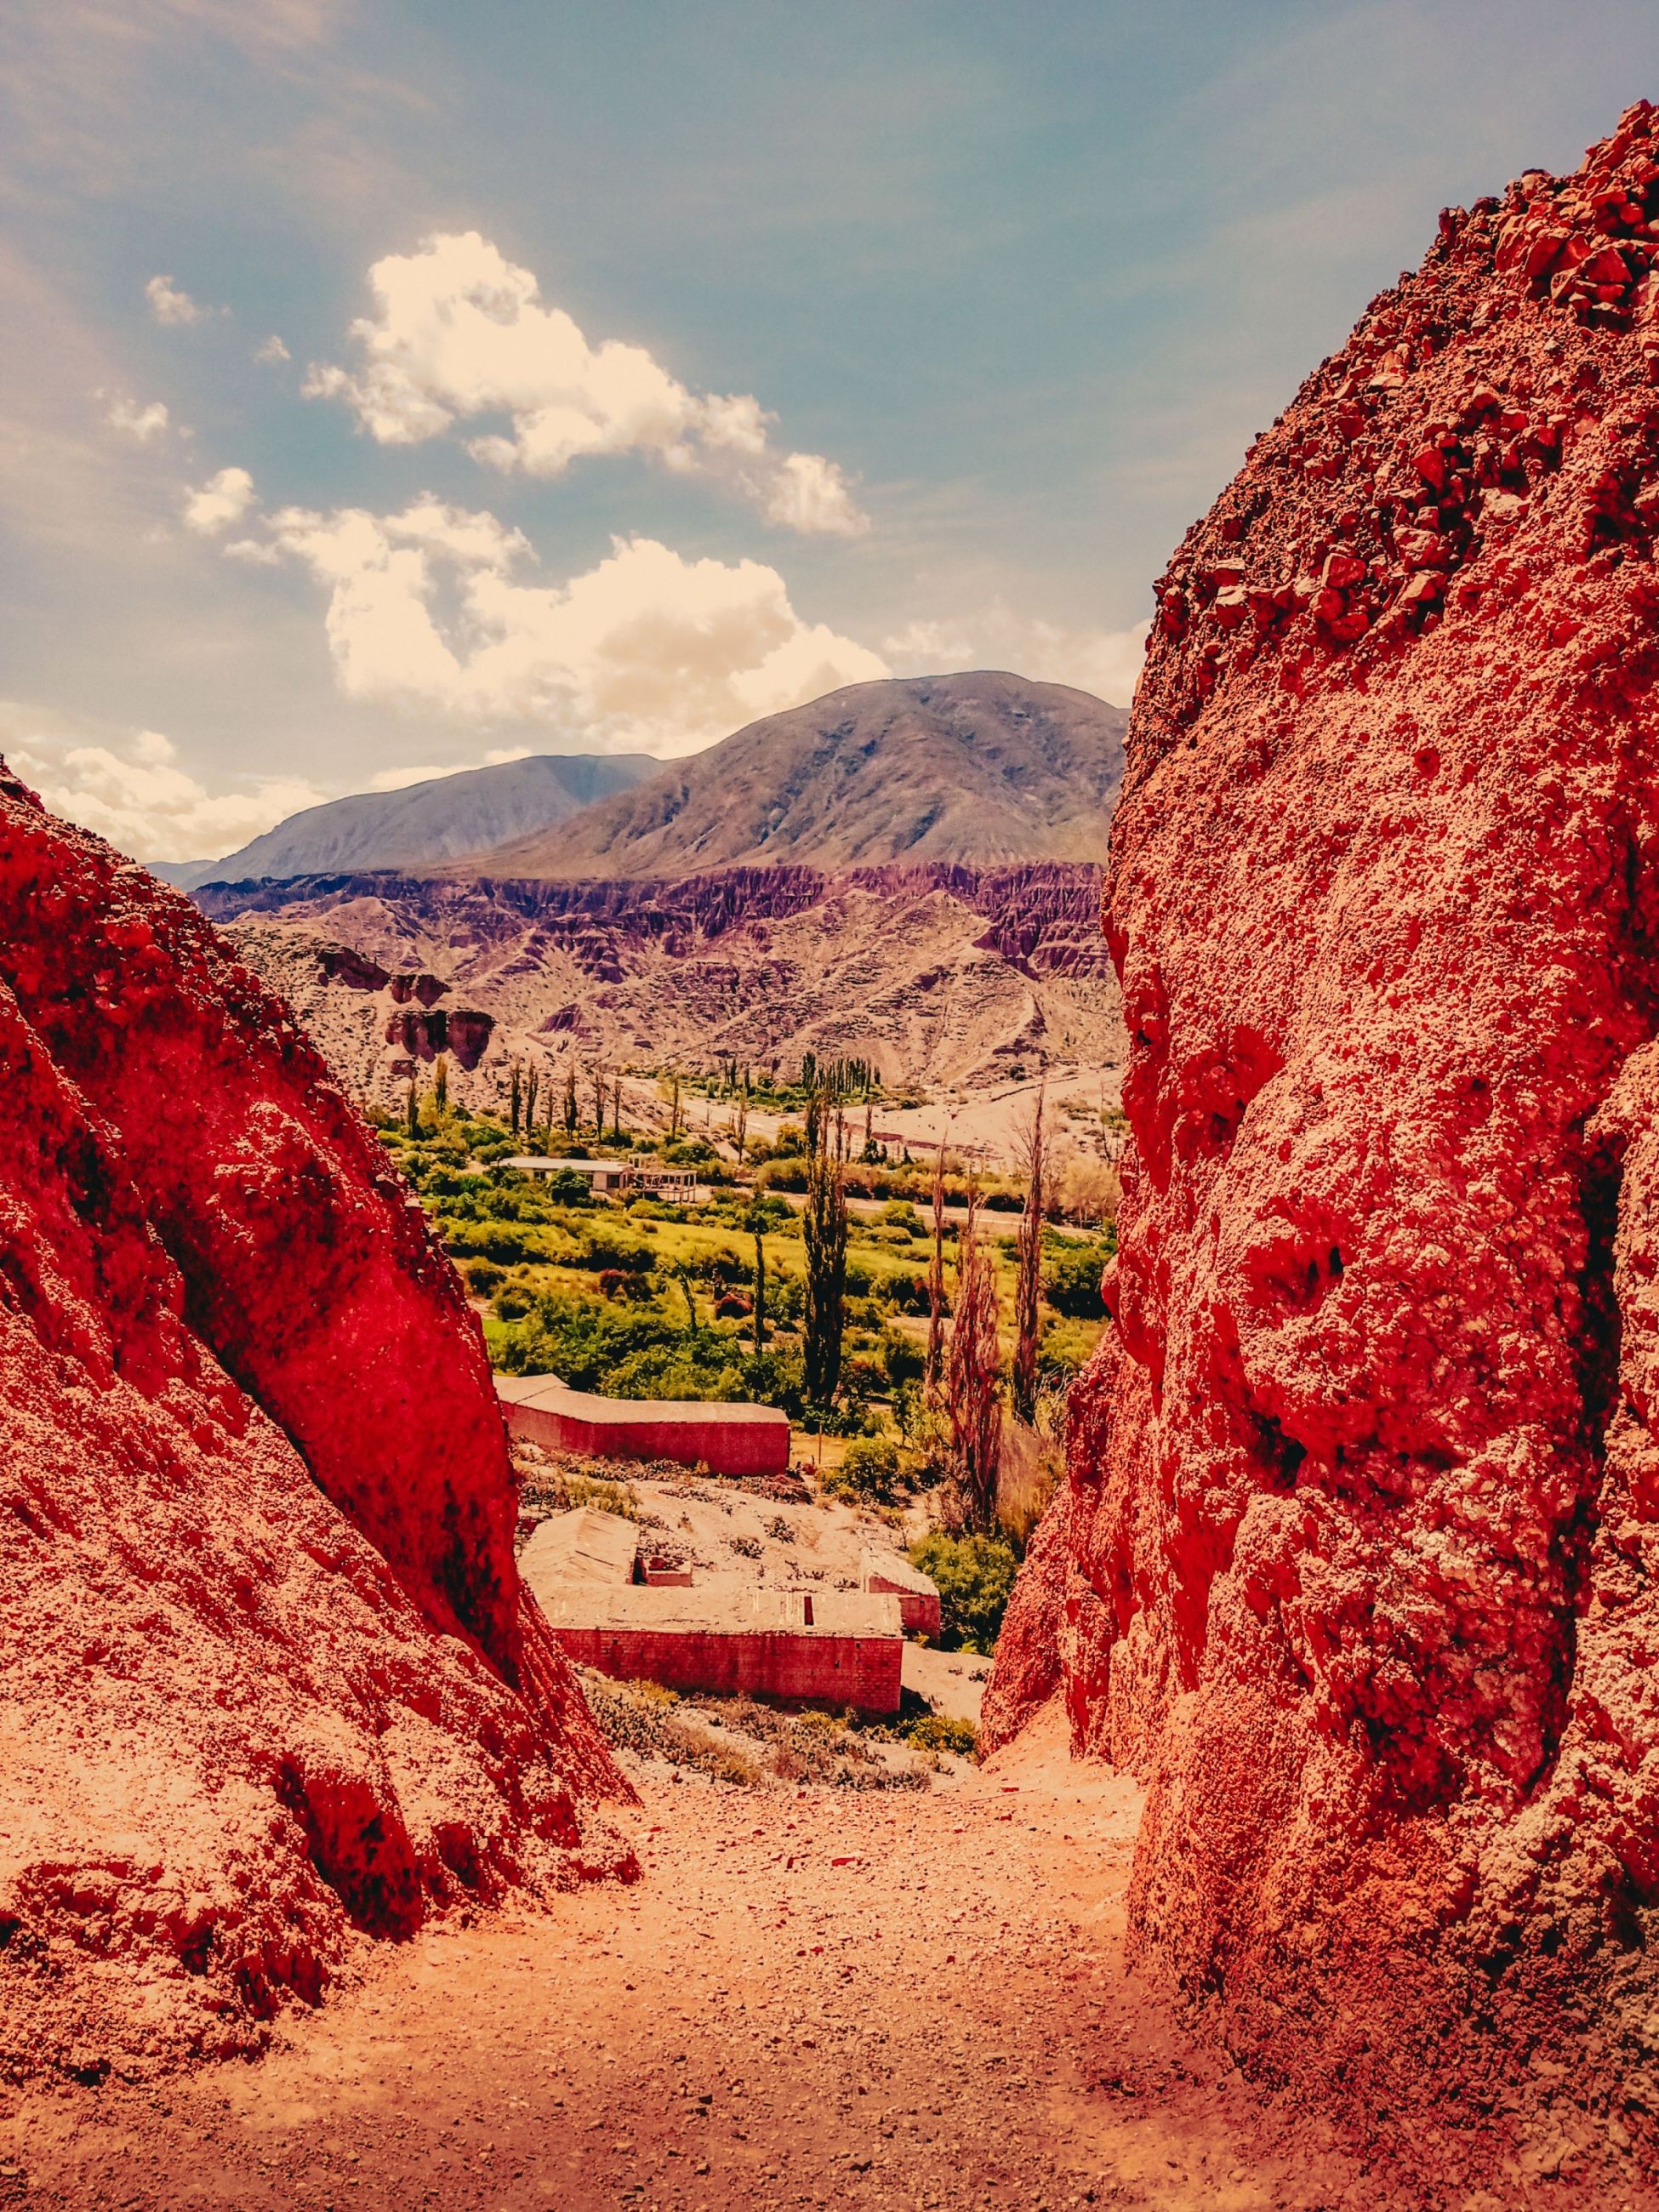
991,1120
816,1999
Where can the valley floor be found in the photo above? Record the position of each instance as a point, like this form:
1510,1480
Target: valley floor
819,1999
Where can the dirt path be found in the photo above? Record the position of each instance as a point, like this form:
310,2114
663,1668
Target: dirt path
825,2000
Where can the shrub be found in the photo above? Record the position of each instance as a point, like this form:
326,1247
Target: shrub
942,1732
1070,1280
901,1359
872,1470
483,1276
975,1575
601,1247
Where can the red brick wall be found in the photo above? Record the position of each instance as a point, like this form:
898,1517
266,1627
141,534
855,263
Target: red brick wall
726,1447
862,1671
918,1609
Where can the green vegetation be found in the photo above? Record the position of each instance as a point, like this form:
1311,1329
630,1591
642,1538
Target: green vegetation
975,1576
648,1300
1072,1272
874,1470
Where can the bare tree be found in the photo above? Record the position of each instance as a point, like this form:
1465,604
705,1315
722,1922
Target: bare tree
824,1228
1028,1278
674,1107
972,1391
742,1126
597,1074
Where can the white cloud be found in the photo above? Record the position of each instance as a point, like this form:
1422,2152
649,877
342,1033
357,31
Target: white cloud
258,552
133,792
811,494
141,422
272,349
1107,662
645,651
171,303
460,332
224,499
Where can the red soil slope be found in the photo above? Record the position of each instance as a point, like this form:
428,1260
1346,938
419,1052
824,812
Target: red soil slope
266,1673
1358,1562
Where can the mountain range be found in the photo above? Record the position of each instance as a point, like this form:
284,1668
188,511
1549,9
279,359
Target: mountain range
424,824
904,872
980,769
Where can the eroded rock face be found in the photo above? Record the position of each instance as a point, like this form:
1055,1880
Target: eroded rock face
936,971
1358,1561
267,1674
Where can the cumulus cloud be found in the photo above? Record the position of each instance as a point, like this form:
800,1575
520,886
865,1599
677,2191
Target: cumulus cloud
133,791
143,423
646,650
1107,662
460,332
171,303
224,499
272,349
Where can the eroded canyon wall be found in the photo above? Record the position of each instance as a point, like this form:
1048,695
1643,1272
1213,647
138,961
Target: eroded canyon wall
267,1674
1358,1563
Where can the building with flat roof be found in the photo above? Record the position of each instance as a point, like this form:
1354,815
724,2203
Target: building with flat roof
731,1638
677,1185
727,1439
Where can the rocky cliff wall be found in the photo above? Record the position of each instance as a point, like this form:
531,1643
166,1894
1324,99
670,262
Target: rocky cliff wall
1359,1559
935,973
1041,910
269,1680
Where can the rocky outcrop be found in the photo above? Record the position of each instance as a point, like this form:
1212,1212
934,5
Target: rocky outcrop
935,972
270,1679
1361,1537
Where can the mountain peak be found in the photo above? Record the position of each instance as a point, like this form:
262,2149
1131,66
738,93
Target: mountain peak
983,767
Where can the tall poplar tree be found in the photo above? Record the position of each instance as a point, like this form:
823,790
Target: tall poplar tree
972,1391
1028,1276
824,1228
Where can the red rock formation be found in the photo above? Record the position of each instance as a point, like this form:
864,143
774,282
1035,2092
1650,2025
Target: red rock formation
1360,1556
268,1673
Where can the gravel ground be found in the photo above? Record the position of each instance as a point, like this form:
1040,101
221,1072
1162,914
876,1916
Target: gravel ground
821,1998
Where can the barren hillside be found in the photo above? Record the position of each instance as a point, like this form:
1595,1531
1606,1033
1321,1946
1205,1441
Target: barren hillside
939,975
981,768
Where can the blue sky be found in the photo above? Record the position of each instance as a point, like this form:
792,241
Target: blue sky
773,345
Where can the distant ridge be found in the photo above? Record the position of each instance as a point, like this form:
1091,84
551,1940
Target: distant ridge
424,823
982,768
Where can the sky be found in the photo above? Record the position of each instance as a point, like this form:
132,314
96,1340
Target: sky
391,386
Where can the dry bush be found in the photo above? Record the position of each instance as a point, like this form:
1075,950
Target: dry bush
1033,1466
736,1739
1087,1190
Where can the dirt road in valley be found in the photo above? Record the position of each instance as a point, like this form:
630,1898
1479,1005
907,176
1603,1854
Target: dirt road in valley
820,1999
